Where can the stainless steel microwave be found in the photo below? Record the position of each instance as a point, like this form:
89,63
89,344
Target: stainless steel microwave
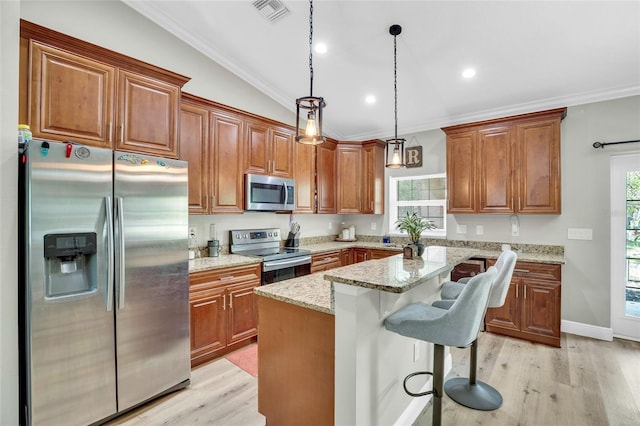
269,193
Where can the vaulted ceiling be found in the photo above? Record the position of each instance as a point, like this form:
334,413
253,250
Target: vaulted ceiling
528,55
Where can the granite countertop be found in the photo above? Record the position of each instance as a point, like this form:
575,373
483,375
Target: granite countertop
309,291
529,253
222,261
395,274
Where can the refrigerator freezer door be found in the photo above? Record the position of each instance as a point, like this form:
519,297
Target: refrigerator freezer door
152,288
70,333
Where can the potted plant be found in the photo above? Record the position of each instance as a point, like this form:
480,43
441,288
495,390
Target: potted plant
413,225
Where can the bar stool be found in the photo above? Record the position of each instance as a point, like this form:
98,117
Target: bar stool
457,326
471,392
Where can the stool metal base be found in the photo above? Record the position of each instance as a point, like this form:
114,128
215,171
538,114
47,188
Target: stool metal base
479,396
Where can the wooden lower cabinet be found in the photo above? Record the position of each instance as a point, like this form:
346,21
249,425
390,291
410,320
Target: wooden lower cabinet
360,255
295,364
381,254
223,311
532,308
326,260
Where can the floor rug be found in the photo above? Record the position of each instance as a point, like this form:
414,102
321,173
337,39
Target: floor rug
246,358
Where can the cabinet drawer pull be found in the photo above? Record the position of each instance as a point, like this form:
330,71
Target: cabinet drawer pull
230,277
523,271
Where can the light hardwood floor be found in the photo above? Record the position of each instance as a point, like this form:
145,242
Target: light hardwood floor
587,382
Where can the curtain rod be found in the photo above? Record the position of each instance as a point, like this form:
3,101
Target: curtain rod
603,144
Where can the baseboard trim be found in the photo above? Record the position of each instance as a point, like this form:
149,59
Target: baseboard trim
586,330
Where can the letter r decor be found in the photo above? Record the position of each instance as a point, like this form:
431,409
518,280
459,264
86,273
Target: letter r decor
413,156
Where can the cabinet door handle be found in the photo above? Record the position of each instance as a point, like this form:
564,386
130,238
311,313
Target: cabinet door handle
524,292
110,131
224,302
230,301
122,133
519,203
516,292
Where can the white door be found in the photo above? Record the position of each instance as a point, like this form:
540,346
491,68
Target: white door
625,246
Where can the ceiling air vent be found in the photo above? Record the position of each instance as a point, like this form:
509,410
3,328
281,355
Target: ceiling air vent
273,10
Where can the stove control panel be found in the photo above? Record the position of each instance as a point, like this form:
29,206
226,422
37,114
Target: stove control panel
253,236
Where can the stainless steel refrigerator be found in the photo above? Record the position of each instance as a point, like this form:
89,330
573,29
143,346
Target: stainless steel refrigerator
103,281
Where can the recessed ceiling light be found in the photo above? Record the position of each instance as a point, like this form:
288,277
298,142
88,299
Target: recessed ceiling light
469,72
370,99
321,48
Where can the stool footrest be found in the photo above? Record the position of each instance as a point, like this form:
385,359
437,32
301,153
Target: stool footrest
479,396
404,384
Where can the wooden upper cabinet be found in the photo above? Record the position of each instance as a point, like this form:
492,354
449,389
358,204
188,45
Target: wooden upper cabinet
349,182
461,172
304,173
509,165
72,97
194,148
326,177
148,114
373,177
227,162
269,149
495,170
538,166
87,94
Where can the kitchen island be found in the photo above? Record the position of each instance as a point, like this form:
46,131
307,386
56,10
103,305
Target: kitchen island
324,354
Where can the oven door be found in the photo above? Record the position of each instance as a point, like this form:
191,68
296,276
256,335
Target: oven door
280,270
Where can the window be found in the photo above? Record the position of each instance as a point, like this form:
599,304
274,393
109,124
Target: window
425,195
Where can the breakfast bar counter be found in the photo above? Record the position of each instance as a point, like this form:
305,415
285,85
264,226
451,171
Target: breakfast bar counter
324,354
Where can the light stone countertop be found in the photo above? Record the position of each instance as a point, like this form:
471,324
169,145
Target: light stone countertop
395,274
310,291
222,261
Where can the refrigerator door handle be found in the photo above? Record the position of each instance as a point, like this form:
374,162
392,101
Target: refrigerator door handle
121,268
108,203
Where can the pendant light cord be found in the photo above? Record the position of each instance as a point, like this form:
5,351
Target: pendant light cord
395,86
311,48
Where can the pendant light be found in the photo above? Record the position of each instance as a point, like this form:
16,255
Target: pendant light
312,105
394,150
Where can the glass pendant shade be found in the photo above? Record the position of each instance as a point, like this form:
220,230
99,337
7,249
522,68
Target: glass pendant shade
312,133
394,153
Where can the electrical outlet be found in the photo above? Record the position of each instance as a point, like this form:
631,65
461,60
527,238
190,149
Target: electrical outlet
479,229
580,234
461,229
373,226
330,226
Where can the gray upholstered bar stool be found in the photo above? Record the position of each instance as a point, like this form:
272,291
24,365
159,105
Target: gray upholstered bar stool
457,326
471,392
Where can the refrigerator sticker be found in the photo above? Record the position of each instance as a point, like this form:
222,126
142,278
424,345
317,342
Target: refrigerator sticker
132,158
44,149
83,153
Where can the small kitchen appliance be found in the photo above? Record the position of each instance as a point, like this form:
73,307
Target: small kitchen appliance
278,263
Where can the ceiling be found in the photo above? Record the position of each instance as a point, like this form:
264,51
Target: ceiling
529,56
